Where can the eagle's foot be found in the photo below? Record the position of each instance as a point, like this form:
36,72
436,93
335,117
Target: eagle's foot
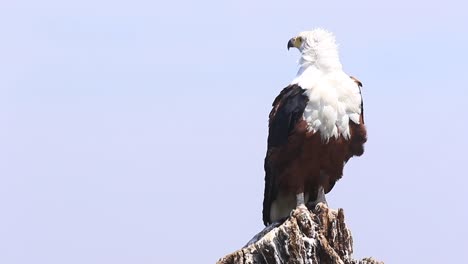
300,209
315,206
300,205
312,205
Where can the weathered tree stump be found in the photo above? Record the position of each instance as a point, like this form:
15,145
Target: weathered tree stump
305,237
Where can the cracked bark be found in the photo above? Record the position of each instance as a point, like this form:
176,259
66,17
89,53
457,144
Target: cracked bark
305,237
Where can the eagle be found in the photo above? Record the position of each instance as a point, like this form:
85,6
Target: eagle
315,126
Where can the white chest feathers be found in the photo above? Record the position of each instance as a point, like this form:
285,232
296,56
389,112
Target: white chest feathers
334,101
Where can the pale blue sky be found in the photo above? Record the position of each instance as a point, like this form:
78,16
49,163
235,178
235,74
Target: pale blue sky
135,131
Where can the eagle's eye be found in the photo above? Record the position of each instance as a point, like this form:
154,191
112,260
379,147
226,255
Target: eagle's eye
299,41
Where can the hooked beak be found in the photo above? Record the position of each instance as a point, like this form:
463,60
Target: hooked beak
293,43
290,43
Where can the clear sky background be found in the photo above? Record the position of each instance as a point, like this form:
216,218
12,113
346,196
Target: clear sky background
135,131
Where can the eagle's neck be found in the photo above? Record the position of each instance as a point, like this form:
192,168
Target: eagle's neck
313,65
307,76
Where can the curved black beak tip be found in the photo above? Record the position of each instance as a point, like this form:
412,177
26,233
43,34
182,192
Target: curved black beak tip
291,43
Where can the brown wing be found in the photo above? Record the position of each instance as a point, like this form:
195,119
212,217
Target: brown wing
287,111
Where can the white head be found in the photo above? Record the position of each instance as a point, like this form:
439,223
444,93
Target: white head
318,48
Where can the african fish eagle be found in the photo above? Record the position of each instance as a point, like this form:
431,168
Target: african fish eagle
316,125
